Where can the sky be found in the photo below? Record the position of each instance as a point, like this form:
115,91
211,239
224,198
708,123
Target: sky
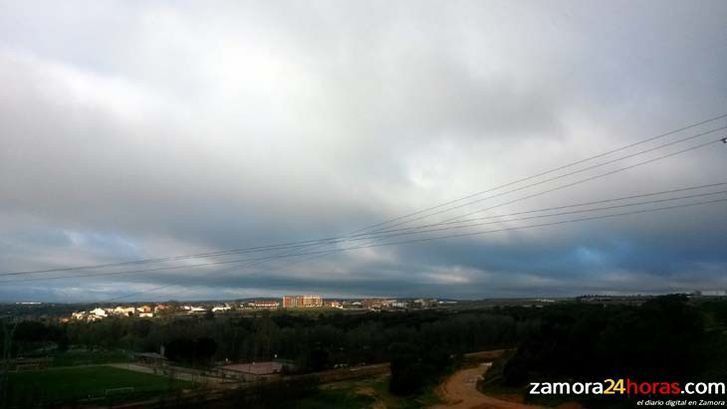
132,130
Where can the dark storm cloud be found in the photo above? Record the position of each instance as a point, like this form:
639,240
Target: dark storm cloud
134,130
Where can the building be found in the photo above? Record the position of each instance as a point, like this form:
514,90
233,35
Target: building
221,308
712,293
377,303
290,301
97,314
334,304
145,309
263,305
302,301
160,308
312,301
194,309
93,315
124,311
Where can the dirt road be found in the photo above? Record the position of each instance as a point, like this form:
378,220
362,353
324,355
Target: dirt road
460,392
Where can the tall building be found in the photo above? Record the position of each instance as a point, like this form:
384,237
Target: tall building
302,301
313,301
290,301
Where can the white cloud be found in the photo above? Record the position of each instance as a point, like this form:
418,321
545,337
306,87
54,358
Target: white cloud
185,128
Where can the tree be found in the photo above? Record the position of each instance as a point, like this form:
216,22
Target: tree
204,350
414,367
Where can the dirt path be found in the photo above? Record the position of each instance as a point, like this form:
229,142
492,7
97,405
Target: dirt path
460,392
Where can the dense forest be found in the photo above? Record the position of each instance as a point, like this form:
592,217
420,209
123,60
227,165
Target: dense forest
669,337
421,345
665,339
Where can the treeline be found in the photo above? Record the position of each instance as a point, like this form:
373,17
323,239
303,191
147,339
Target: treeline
421,346
667,338
312,342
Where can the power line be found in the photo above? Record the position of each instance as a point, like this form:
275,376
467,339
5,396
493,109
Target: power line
419,229
457,220
515,228
142,292
171,258
553,223
617,199
475,224
588,179
257,261
566,166
423,216
575,172
580,181
285,246
409,241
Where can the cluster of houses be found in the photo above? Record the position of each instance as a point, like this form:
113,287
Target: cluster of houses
383,304
148,311
372,304
98,313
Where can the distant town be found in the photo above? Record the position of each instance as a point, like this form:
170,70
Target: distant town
307,301
317,302
223,350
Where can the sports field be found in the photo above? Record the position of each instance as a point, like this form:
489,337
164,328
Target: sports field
86,382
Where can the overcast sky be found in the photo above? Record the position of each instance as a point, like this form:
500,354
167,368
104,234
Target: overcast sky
131,130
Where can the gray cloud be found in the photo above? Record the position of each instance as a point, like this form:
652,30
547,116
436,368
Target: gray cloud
149,130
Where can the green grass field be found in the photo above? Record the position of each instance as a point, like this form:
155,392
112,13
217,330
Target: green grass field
70,384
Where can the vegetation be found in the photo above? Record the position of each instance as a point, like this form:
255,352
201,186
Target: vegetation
305,393
59,385
666,338
191,351
313,342
273,395
335,399
422,345
415,367
82,356
366,394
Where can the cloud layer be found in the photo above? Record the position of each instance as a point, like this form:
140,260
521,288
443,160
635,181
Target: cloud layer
135,130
